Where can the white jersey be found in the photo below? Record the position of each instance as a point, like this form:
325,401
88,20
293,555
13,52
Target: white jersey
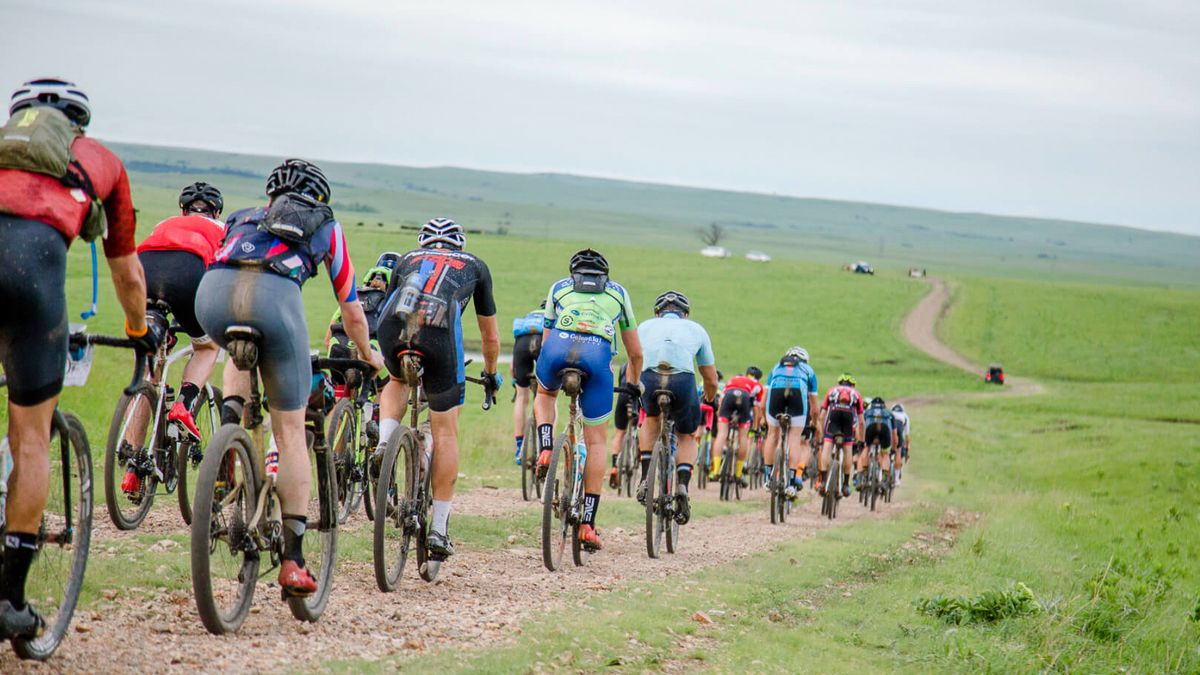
901,422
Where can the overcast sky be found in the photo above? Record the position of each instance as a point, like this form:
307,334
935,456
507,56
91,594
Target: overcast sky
1088,110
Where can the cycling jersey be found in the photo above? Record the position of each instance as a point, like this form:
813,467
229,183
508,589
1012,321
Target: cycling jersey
195,234
33,196
530,324
599,314
879,427
246,245
798,376
747,384
843,397
901,421
675,342
881,416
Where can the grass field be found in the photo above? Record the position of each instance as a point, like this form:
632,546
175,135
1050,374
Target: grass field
1087,494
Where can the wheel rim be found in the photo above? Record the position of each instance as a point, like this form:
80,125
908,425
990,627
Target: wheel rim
131,439
230,571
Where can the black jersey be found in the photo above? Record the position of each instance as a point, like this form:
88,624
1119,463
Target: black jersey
432,288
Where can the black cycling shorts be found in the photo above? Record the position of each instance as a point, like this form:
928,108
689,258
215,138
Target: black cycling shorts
621,415
739,401
878,433
685,405
840,423
441,358
525,353
791,401
33,309
173,277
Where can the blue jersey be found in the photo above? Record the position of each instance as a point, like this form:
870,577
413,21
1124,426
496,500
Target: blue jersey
799,376
530,324
878,415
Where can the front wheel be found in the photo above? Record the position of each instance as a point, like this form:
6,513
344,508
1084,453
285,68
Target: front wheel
396,508
208,420
132,439
343,442
531,487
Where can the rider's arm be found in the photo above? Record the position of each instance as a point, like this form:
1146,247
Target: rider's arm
130,281
354,320
633,351
489,333
709,375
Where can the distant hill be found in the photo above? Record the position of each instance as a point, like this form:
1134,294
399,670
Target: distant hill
599,210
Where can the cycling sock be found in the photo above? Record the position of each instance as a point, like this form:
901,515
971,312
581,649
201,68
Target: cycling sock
791,475
645,464
19,548
737,468
188,393
387,427
767,469
591,502
293,537
545,436
684,473
441,516
520,442
231,409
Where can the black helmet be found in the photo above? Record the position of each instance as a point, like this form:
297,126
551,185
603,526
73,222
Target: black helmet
301,177
672,299
755,372
877,402
388,259
588,260
201,192
56,93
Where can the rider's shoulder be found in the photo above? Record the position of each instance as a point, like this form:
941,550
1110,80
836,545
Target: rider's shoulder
617,288
250,214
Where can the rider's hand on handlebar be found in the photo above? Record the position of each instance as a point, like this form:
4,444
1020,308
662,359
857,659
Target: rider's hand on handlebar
491,381
376,361
809,431
635,389
151,337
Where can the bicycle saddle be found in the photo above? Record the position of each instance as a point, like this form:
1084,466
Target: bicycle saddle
242,345
572,380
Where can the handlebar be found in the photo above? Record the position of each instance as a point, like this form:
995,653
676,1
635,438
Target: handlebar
81,340
489,394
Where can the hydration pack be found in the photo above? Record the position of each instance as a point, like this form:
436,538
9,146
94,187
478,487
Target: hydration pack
38,139
295,217
589,282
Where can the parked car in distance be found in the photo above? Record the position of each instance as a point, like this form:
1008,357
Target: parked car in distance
758,256
715,252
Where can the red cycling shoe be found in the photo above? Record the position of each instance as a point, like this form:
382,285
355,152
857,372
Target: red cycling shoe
131,484
179,413
589,538
295,580
543,464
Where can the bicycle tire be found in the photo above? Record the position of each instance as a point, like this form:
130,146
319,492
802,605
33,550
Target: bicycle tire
529,482
669,525
395,501
64,540
655,490
371,461
703,463
324,485
727,459
218,619
342,436
188,462
555,495
876,483
124,518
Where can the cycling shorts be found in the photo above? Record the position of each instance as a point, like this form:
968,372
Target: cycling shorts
685,404
621,415
33,322
878,433
792,401
525,354
739,401
173,277
840,423
273,305
591,354
441,352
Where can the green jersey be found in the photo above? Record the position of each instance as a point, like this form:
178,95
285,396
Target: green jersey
601,314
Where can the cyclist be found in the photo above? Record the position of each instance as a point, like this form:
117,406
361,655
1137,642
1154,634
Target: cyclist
676,345
175,256
879,428
900,418
371,293
621,423
744,394
841,415
388,260
39,217
255,281
583,314
430,290
791,389
527,344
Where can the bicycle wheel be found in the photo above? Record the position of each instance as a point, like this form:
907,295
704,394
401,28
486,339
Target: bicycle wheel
703,463
132,437
342,435
556,496
225,555
530,487
64,539
666,514
875,484
727,467
320,550
632,462
189,454
396,501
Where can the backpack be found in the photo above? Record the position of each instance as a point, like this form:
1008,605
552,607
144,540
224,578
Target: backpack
38,139
589,282
295,218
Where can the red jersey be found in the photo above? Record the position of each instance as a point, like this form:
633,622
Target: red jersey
36,196
843,397
196,234
747,384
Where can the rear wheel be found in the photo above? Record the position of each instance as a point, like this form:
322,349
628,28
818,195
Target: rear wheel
395,507
530,486
225,557
666,512
320,553
55,577
132,438
557,493
703,462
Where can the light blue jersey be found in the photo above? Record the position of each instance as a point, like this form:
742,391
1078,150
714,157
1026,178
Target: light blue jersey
530,324
799,376
677,342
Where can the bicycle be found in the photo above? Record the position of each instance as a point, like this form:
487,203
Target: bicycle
354,434
531,485
237,514
141,439
661,522
833,480
729,482
871,485
628,457
781,504
703,459
406,502
754,463
64,537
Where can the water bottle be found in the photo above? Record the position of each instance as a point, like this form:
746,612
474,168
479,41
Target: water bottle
410,294
272,457
580,457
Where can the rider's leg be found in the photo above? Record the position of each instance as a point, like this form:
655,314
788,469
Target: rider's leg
593,471
520,405
647,436
718,456
685,457
885,458
769,446
445,465
743,449
28,490
294,482
393,399
199,367
235,387
797,448
544,404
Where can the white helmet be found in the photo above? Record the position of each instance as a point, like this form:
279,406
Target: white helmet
442,231
57,93
799,352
